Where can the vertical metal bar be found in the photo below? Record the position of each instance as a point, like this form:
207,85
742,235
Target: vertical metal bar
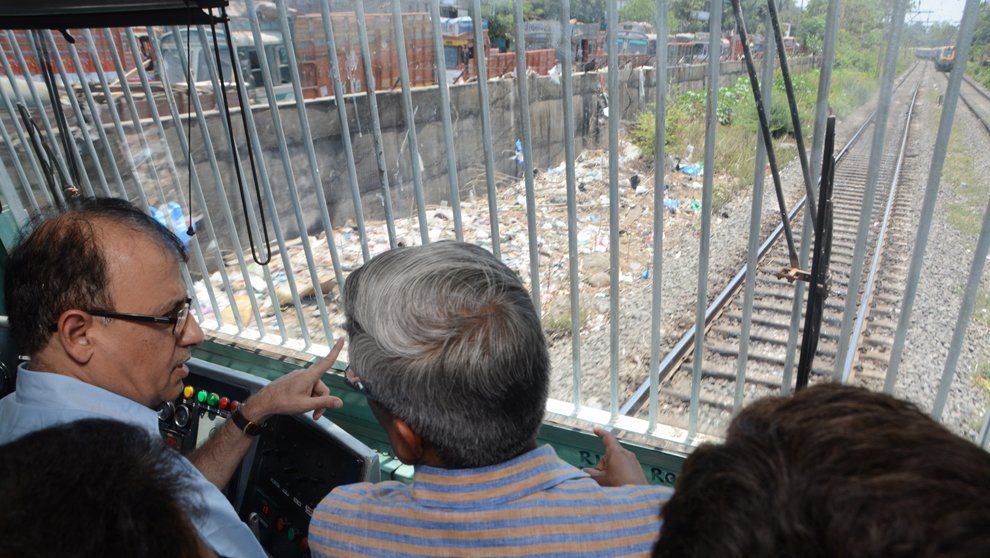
9,192
481,63
73,148
407,110
817,144
566,56
522,82
80,120
40,108
259,157
872,175
345,129
290,178
659,169
214,165
19,130
214,74
448,131
965,313
97,121
307,137
950,100
376,123
18,168
132,107
196,251
983,436
755,222
711,100
614,115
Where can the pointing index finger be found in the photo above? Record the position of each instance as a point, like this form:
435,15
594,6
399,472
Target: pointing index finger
321,366
609,439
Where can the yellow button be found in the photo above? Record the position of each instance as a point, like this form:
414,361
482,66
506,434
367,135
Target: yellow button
188,392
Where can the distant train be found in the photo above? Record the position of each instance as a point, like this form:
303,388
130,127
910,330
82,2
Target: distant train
945,58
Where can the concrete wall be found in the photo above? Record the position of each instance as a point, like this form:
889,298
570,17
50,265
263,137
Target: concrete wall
547,128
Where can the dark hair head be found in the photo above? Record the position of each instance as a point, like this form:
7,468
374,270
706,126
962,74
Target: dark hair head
94,488
446,338
831,471
60,266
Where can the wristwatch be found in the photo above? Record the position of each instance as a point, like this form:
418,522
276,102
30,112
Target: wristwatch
248,427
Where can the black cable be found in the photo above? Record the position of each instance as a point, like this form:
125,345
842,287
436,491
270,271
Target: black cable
247,133
63,126
189,162
765,130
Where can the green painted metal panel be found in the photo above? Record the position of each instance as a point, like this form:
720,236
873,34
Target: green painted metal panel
577,447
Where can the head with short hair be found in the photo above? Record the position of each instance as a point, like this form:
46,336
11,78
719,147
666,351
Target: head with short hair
102,256
95,488
446,338
60,265
831,471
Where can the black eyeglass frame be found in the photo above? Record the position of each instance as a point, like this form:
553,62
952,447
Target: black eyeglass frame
354,381
170,318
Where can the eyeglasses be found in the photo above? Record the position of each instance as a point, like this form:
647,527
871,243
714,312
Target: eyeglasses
177,317
353,380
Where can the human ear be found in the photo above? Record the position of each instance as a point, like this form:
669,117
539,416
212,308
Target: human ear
408,445
75,335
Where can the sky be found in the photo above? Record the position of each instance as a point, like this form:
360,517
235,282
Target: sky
942,10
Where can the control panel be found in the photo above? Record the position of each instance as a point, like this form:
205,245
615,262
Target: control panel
291,467
203,406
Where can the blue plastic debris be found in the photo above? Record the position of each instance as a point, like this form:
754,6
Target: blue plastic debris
692,170
177,218
671,204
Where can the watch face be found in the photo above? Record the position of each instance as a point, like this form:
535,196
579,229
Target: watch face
252,429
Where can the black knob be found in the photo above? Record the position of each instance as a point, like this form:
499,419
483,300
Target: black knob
182,416
166,411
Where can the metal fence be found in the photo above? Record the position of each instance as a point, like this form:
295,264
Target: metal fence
137,132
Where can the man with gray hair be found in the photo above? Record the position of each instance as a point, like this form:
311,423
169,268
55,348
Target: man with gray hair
448,349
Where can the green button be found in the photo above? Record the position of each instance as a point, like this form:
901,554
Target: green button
201,396
292,534
213,400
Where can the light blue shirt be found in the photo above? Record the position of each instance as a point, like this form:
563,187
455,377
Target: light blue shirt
43,399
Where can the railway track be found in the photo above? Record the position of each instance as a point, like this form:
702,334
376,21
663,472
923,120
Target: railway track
882,280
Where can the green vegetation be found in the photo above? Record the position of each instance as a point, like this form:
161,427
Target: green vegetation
735,149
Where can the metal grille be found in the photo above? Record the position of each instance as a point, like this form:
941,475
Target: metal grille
141,133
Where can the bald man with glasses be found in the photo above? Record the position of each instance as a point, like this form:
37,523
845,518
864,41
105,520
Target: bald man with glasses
96,300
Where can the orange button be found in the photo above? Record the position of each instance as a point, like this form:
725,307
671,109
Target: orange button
188,392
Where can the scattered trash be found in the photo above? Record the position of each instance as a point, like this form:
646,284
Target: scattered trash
634,205
691,170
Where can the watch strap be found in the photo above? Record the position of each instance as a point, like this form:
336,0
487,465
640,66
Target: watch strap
246,426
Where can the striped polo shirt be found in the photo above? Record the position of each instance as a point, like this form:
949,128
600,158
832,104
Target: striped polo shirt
533,505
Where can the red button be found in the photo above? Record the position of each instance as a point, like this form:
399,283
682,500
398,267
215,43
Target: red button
234,405
279,524
171,441
304,543
265,509
224,402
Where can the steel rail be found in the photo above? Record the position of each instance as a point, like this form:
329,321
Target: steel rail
867,297
684,344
